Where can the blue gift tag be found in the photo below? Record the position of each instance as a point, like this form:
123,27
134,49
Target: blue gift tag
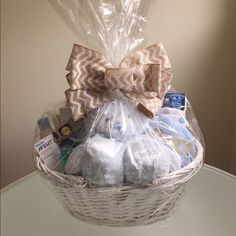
174,100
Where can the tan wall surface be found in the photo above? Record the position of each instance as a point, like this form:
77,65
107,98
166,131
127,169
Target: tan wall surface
200,40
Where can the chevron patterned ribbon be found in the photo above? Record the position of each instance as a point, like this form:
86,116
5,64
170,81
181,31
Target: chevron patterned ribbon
142,76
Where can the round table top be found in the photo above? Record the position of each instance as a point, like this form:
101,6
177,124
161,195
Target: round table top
208,208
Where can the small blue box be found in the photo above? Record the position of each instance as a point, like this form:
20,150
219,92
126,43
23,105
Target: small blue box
175,100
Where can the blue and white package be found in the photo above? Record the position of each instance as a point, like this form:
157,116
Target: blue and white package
175,100
172,121
172,124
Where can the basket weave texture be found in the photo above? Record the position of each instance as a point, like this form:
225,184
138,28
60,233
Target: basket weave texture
123,205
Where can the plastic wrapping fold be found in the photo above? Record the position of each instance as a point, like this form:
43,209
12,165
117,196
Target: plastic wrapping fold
114,143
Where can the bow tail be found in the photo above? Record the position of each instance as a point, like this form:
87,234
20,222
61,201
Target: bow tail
147,104
83,101
150,107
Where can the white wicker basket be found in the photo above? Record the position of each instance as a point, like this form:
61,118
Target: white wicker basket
124,205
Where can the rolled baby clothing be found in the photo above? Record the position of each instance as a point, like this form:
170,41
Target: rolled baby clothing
103,162
146,159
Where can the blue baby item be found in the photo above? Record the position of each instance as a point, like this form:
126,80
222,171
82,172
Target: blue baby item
172,124
171,121
119,120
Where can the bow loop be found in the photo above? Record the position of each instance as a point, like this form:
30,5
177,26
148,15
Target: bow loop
142,76
80,53
86,75
154,54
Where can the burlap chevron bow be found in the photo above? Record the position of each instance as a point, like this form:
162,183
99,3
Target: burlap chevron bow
142,76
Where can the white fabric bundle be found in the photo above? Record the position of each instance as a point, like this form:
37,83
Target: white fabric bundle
146,159
99,161
103,163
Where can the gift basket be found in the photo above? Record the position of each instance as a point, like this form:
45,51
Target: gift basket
122,146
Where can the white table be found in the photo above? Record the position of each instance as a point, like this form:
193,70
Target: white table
29,208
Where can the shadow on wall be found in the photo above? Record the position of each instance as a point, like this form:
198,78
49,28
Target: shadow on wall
200,40
215,88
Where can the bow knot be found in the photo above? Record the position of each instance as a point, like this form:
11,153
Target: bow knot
119,78
142,76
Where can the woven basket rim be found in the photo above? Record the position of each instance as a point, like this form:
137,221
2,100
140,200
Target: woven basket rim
181,175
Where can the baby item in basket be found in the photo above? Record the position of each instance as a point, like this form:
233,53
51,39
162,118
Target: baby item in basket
45,127
70,138
48,151
147,158
73,165
185,148
171,122
120,120
175,100
102,163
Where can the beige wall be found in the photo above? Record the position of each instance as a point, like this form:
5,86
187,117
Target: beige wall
198,35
